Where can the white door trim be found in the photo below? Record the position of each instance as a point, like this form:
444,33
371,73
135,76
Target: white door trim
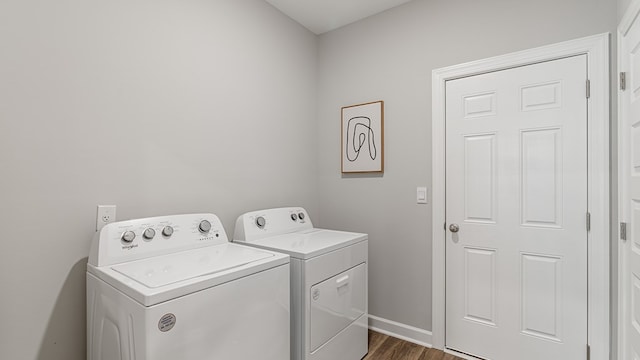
597,50
632,12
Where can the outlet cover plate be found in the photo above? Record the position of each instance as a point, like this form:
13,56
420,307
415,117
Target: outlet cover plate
106,214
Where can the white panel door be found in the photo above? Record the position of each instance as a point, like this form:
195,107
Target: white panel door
516,189
629,280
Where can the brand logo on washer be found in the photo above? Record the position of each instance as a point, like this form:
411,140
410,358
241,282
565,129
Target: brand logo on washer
167,322
316,294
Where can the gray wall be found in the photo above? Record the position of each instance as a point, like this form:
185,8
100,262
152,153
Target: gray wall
186,106
159,107
622,7
390,57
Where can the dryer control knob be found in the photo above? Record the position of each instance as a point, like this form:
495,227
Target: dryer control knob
301,215
167,231
149,234
261,222
204,226
128,236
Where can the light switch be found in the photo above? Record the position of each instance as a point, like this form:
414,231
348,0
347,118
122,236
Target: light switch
421,195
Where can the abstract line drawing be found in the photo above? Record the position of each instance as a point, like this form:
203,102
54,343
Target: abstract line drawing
358,132
362,138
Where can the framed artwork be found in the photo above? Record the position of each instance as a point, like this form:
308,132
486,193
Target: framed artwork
362,145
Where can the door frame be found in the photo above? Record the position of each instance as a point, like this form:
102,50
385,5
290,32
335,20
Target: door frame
627,21
597,50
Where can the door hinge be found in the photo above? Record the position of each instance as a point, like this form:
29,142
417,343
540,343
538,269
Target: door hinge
623,230
623,81
588,352
588,221
588,88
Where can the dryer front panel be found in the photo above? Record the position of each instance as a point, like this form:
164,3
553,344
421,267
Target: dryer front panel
336,303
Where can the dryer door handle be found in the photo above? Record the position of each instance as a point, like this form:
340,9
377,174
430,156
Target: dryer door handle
342,281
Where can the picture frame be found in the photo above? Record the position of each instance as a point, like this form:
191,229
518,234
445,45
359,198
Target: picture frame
362,138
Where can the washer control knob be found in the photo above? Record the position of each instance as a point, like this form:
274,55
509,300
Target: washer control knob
261,222
128,236
301,215
204,226
167,231
149,234
294,217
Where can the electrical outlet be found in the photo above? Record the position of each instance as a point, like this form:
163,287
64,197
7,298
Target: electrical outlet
106,214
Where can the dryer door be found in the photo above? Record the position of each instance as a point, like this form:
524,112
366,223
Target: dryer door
336,303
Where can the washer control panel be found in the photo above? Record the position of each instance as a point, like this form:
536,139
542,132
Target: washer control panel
264,223
140,238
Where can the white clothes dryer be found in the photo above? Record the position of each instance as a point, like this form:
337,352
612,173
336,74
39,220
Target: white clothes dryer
173,287
329,301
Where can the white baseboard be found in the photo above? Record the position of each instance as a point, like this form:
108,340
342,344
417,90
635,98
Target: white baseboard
401,331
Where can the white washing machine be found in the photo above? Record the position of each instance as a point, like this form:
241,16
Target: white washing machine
328,281
173,287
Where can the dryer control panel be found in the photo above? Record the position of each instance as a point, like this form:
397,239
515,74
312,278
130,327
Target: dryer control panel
270,222
141,238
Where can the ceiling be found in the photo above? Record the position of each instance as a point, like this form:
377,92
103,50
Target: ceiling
321,16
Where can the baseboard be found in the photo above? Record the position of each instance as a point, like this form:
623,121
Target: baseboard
401,331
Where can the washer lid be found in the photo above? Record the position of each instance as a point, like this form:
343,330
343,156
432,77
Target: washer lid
309,243
164,270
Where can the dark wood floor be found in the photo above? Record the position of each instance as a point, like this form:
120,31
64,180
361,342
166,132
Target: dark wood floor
384,347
